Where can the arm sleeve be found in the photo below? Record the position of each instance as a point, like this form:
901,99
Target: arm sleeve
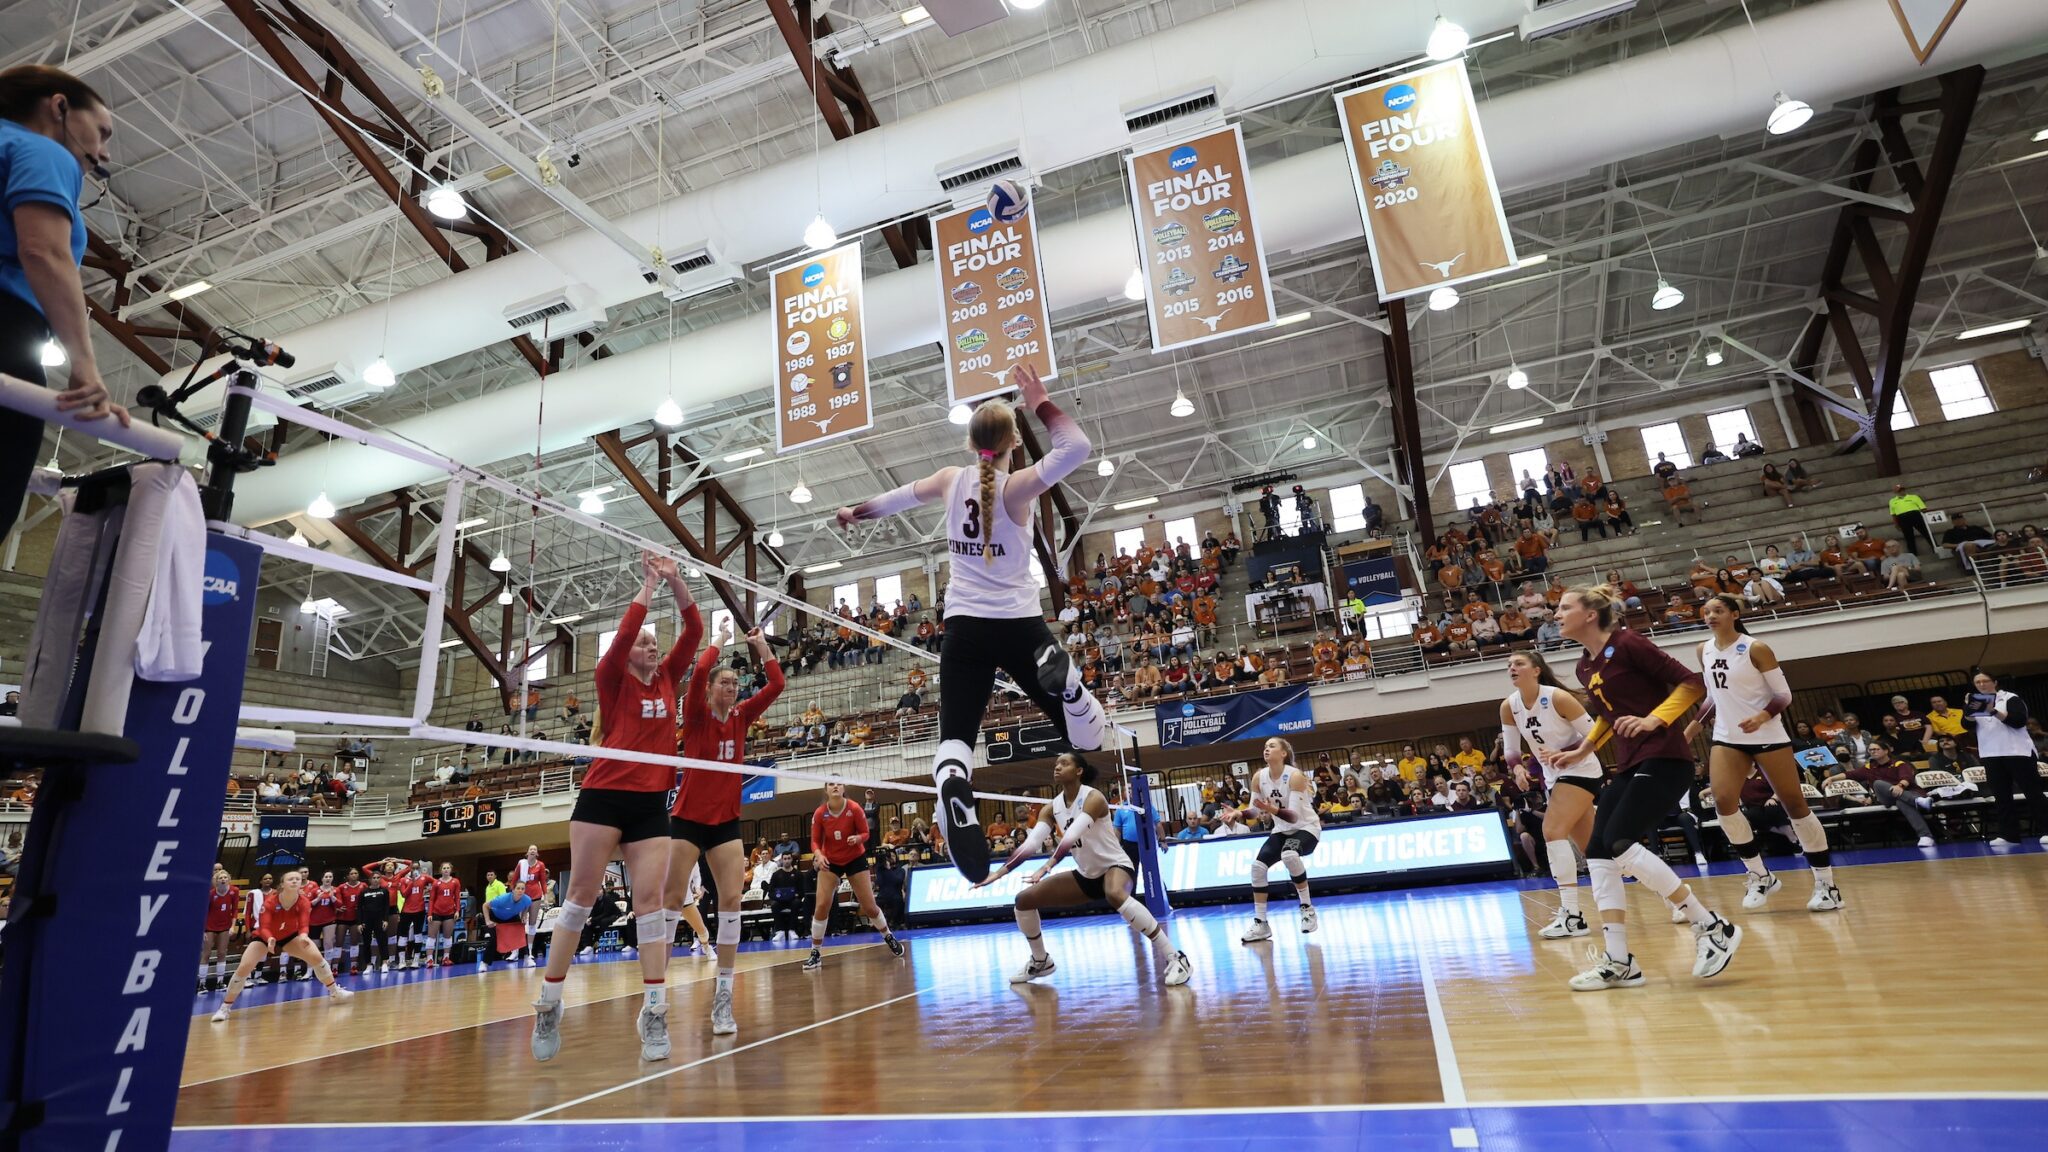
1510,743
1080,824
1598,736
1686,686
1781,692
1069,450
611,667
757,705
904,497
686,644
42,173
695,708
1040,832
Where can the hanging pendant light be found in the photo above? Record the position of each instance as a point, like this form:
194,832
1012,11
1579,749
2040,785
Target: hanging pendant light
379,374
505,597
1787,115
53,354
1666,297
591,504
775,537
1105,468
298,538
447,203
960,414
818,235
1517,379
1134,288
799,494
1181,407
669,414
1447,41
500,562
1443,299
321,508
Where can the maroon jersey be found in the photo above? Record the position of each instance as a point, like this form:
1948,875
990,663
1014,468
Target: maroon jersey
221,908
346,894
1631,676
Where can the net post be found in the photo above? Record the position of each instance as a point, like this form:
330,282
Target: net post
1138,791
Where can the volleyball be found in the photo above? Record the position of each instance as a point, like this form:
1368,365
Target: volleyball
1006,200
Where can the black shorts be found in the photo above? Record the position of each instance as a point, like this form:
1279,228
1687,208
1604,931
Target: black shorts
412,921
704,836
281,941
637,815
1589,783
1301,840
851,868
1093,888
1754,750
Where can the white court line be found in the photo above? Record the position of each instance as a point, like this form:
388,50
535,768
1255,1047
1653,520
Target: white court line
1146,1113
715,1056
1447,1072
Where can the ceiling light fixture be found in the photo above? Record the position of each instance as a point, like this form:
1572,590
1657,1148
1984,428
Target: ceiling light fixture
1517,379
1994,329
818,234
1443,299
1308,443
298,538
1714,357
1514,426
188,291
1027,5
569,619
53,354
799,494
307,607
775,537
2041,136
1447,41
505,597
1141,502
743,454
827,566
1134,287
1105,467
591,504
960,414
1666,297
915,14
1787,115
473,522
500,562
1291,318
1533,261
1181,407
669,414
379,374
447,203
321,508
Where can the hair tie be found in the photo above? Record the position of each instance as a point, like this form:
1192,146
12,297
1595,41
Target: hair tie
986,454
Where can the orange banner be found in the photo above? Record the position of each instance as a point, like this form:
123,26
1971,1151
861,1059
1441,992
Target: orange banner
1205,271
993,291
1433,216
821,363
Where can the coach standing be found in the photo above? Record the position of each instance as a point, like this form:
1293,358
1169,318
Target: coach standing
53,130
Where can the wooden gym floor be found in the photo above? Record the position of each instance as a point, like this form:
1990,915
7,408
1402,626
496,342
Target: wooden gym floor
1429,1019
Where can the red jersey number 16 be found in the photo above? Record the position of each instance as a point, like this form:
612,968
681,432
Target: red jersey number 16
728,750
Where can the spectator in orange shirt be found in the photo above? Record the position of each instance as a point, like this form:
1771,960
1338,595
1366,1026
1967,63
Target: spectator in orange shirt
1866,551
1514,625
1325,649
1495,571
1554,592
1588,519
1475,609
1430,638
1832,558
1328,670
1701,574
1357,662
1452,574
1534,551
1678,498
1616,510
1459,635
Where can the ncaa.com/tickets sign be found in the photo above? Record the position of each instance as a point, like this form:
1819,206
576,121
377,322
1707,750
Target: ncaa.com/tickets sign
993,291
1251,715
821,360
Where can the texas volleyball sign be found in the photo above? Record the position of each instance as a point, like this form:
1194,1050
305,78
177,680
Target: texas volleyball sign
1204,268
821,366
993,292
1432,211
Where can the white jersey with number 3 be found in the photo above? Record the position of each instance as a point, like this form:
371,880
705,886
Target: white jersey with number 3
1546,731
990,554
1738,691
1099,849
1304,802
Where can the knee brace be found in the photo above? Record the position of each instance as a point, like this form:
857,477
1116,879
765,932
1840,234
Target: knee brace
1649,868
1295,867
1564,863
648,927
728,929
1813,840
1741,836
574,916
818,928
1259,869
954,758
1608,889
1138,916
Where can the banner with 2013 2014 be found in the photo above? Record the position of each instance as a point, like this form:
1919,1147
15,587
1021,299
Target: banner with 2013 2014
1240,716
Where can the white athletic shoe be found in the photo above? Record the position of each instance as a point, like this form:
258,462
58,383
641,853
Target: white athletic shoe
653,1034
337,994
1564,924
547,1029
529,961
1715,946
1607,973
629,951
1259,930
1308,918
1759,889
1033,970
1701,863
722,1023
585,951
1826,898
1678,915
2044,841
220,1016
2001,842
1924,842
1177,970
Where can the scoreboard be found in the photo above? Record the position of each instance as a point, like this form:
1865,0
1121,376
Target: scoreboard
468,816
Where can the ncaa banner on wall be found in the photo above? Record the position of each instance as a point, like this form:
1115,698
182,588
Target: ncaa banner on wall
993,290
1374,581
1242,716
1205,270
821,366
1432,212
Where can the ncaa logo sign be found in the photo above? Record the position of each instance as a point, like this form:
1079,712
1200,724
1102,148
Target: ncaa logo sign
1187,709
1181,159
1400,97
979,220
222,582
814,275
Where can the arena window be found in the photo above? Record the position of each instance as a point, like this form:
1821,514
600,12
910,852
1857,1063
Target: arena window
1347,508
847,594
1129,540
888,590
1468,481
1960,389
1534,461
1667,439
1183,529
1902,414
1724,427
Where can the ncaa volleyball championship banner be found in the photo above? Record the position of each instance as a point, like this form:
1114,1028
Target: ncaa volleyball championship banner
111,968
1242,716
993,291
1205,270
1432,212
821,360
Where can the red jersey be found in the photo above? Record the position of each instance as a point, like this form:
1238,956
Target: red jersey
1631,676
411,890
322,900
278,922
705,796
531,875
637,716
346,894
444,896
221,908
840,839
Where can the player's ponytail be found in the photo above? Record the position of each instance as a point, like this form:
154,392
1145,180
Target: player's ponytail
991,432
1605,601
1544,675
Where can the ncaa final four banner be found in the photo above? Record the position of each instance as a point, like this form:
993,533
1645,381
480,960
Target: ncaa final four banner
1205,270
993,290
1433,216
821,360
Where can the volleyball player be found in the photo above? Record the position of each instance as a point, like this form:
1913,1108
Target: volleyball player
532,876
444,901
705,820
1746,697
1283,792
223,901
320,925
1079,816
623,806
1541,712
281,930
409,894
839,851
691,914
993,618
348,897
373,921
1636,693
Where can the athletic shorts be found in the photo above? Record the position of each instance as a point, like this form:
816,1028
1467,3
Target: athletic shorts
1092,886
412,921
853,867
1754,749
1301,840
704,836
1589,783
637,815
284,940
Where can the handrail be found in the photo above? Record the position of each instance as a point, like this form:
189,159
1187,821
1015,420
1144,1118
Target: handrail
142,439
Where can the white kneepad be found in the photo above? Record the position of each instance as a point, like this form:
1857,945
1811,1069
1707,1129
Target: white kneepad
1291,860
574,916
1258,871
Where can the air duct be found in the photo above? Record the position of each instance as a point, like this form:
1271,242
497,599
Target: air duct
1711,86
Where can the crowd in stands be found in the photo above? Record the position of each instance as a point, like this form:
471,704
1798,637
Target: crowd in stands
316,783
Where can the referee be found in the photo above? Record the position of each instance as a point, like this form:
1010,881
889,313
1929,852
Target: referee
53,130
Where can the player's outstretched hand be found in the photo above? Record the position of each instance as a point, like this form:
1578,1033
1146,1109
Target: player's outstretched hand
994,875
1030,389
846,517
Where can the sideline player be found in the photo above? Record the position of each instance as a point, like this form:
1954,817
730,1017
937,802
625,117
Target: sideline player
223,901
839,851
320,927
1746,697
1541,712
531,876
444,901
1283,792
623,806
280,929
373,916
705,821
1079,816
348,896
993,617
1635,693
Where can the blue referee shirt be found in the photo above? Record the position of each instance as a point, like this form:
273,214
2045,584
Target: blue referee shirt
34,169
